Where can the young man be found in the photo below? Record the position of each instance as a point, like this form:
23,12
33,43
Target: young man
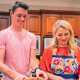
17,47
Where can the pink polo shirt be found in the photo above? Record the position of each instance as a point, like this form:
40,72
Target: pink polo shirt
17,46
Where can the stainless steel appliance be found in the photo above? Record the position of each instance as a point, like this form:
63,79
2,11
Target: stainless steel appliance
47,41
37,44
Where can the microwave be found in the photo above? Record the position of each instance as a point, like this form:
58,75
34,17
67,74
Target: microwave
47,41
37,45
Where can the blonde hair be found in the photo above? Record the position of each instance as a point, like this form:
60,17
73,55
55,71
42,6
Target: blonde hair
64,24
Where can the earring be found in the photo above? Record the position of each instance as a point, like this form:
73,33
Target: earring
56,46
56,43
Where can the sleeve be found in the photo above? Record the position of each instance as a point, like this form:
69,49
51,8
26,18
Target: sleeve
45,62
78,58
77,53
33,43
2,39
79,71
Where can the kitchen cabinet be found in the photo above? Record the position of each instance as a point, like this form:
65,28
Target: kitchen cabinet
33,23
78,26
73,20
49,17
48,20
4,21
40,22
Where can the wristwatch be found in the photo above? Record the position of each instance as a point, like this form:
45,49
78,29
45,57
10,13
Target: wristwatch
38,68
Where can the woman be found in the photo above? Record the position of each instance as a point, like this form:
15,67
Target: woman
61,59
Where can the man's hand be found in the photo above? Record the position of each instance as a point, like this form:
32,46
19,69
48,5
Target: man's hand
41,74
19,77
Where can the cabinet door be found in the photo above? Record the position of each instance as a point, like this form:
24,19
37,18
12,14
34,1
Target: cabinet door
72,19
33,23
4,22
48,20
79,26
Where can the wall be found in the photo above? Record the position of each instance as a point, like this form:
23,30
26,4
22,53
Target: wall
72,5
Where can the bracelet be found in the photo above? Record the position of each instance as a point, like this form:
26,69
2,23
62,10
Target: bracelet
37,68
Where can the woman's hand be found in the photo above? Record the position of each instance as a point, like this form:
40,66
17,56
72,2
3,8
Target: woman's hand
59,78
53,77
41,74
56,78
79,78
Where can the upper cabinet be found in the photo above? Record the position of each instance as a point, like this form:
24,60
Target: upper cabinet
73,20
78,26
4,21
49,17
48,20
33,23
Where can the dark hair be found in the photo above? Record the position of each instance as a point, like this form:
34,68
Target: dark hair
18,4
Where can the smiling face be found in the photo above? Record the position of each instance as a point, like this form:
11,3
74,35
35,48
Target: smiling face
62,36
18,17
